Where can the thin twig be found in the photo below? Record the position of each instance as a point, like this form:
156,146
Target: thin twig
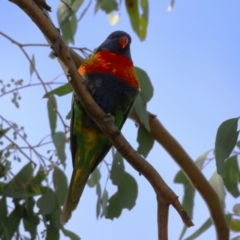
21,46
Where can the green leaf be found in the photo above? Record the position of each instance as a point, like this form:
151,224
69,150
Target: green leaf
69,115
70,234
67,19
4,131
52,55
207,224
3,212
60,91
25,174
201,159
104,203
76,4
235,225
145,84
128,191
52,113
225,142
145,141
69,29
64,11
228,218
132,10
4,231
13,222
4,168
31,220
216,182
19,186
141,110
99,200
46,203
32,65
39,177
54,217
59,141
144,18
114,208
29,227
138,21
60,184
117,171
52,233
231,176
106,5
94,178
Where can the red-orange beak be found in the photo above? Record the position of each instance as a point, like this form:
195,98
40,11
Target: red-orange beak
123,41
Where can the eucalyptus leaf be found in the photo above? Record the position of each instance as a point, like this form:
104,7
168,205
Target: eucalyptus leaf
60,91
104,203
106,5
46,203
138,21
141,110
59,141
145,141
145,84
231,176
206,225
128,191
52,233
94,178
52,113
99,199
70,234
235,225
217,184
13,223
117,170
225,142
60,184
114,208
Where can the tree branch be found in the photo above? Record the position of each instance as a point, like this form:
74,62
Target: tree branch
164,138
163,192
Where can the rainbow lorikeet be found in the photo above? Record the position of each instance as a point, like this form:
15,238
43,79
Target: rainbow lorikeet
111,79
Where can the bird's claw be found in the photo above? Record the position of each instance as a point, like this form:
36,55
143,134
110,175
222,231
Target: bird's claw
109,118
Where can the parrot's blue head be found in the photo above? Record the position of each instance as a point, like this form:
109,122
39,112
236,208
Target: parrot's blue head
117,42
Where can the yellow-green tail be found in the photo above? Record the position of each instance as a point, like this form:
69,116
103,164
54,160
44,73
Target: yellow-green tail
77,184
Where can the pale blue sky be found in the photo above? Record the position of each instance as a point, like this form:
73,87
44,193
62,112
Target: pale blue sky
192,56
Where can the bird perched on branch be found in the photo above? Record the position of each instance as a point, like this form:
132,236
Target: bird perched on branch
112,81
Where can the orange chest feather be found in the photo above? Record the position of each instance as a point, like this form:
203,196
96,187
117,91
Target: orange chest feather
110,63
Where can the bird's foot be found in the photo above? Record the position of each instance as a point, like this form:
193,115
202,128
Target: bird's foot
109,118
